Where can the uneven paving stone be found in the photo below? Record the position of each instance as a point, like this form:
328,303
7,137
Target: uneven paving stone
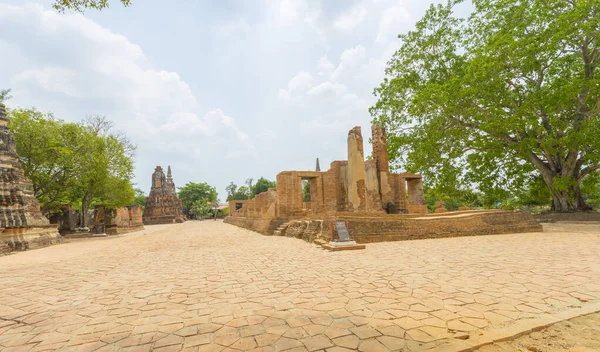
208,286
318,342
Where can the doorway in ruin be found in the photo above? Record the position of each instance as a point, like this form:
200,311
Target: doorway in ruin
308,188
306,197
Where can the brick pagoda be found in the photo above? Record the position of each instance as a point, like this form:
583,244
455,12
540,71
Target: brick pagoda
162,205
22,224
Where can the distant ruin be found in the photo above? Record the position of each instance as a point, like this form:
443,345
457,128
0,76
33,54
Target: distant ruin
162,204
22,224
377,204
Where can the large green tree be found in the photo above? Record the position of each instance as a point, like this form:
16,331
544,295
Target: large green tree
508,94
47,148
73,163
197,195
81,5
262,185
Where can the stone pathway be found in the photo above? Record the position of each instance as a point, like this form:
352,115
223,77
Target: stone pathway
209,286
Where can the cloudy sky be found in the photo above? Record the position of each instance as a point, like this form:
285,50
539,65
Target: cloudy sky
221,90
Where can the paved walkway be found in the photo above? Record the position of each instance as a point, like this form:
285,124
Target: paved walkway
209,286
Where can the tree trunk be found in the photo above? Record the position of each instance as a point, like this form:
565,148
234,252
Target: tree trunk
569,200
85,205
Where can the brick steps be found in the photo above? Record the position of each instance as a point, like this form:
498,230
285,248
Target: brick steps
280,231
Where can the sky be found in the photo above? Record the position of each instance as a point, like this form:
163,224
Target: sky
220,90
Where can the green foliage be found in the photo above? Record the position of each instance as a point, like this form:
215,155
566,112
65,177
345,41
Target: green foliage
590,187
70,163
5,95
453,199
238,193
262,185
306,191
81,5
194,193
139,198
498,98
200,208
225,211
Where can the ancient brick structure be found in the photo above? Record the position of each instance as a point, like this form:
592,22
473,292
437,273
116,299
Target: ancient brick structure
162,205
117,221
380,205
22,225
354,185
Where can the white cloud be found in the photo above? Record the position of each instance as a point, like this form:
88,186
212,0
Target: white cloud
206,85
325,66
351,19
350,58
86,63
391,22
296,87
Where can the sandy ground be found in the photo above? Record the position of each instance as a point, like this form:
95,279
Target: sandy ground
578,335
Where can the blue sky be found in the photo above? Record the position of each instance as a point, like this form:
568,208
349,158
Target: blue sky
220,90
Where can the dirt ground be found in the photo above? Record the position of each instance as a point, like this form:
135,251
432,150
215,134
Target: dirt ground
577,335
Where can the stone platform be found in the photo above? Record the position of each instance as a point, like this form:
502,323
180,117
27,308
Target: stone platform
370,228
24,238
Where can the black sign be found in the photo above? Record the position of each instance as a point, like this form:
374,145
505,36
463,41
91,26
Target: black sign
342,231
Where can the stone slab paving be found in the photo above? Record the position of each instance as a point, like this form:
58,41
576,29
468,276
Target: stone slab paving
209,286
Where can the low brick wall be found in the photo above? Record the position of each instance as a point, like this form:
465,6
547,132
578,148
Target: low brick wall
388,227
264,226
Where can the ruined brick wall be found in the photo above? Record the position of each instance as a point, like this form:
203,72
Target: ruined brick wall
369,229
289,193
380,153
135,215
263,206
122,220
372,197
116,217
334,187
355,172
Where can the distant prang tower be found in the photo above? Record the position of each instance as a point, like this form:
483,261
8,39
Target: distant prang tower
162,204
22,224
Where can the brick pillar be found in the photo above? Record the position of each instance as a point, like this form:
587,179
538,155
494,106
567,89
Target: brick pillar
380,153
356,171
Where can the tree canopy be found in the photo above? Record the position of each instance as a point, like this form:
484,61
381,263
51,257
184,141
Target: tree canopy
500,99
247,192
72,163
197,193
81,5
262,185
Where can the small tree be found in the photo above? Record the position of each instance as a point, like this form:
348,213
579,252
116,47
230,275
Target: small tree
193,192
4,95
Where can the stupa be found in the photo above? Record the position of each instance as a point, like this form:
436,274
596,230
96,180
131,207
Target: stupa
162,204
22,224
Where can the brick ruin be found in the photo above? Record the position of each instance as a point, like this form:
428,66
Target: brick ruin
22,224
118,221
352,185
377,204
162,204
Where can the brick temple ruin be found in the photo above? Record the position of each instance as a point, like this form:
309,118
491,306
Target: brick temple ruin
162,204
377,205
102,220
22,224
